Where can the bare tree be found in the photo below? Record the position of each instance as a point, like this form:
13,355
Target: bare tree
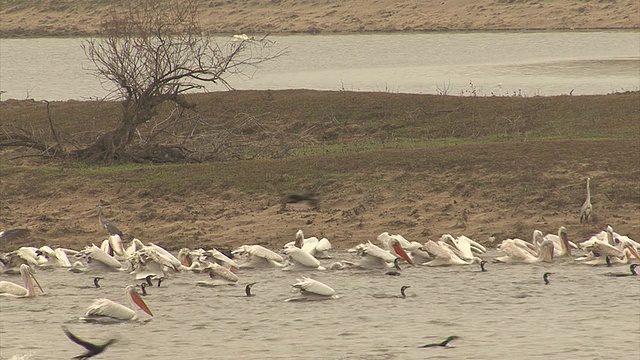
153,52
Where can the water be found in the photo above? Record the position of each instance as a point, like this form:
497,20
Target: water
504,313
484,63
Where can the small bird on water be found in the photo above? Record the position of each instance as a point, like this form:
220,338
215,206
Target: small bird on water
247,289
441,344
545,277
482,264
92,349
96,280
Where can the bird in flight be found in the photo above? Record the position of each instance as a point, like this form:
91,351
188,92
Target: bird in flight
92,349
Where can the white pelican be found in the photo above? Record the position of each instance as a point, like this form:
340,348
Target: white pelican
518,253
150,262
413,248
96,257
258,256
29,290
55,258
301,260
467,248
220,274
561,244
446,255
105,310
374,257
318,248
311,289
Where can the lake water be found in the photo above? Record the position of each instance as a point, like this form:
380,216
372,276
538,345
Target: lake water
498,63
504,313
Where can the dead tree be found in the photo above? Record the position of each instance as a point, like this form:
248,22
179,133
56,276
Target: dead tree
152,52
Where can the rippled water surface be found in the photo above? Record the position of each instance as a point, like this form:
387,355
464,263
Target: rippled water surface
498,63
504,313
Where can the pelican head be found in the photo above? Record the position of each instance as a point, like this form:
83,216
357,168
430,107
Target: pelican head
30,280
395,246
130,290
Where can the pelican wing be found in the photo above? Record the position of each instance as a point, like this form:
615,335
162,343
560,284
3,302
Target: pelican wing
109,308
515,251
223,272
375,251
167,256
222,258
116,245
97,254
8,288
259,251
313,286
302,257
436,250
323,245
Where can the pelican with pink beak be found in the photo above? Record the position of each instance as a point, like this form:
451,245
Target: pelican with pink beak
107,311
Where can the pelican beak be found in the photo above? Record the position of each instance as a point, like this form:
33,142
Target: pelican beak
632,251
400,251
141,304
184,259
32,278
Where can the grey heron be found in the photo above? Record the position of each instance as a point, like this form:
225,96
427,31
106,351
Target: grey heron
585,210
111,228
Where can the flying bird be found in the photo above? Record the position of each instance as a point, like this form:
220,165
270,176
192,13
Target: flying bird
92,349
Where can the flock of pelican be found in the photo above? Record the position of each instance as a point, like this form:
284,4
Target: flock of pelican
150,261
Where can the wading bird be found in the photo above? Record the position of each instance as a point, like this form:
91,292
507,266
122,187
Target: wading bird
92,349
111,228
585,210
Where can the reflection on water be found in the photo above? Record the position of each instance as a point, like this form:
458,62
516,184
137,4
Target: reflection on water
534,63
504,313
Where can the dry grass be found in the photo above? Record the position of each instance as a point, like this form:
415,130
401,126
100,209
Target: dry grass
417,165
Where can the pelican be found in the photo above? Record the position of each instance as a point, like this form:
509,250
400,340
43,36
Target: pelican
374,257
311,289
318,248
54,258
585,210
519,253
105,310
98,257
220,274
258,256
441,344
445,255
561,244
301,260
29,290
78,267
632,272
467,249
92,349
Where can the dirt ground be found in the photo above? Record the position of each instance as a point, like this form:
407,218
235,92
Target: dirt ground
74,17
